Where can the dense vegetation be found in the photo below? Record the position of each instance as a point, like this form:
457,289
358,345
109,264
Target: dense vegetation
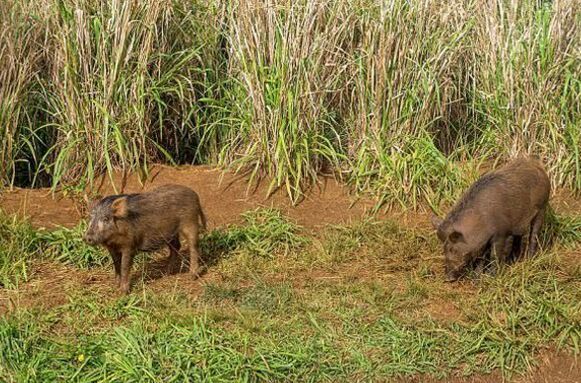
391,95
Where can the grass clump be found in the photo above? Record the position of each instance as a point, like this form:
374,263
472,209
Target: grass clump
127,73
382,240
19,244
264,233
21,63
66,246
561,229
158,353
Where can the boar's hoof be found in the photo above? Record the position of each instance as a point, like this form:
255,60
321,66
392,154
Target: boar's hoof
172,268
124,289
197,273
451,278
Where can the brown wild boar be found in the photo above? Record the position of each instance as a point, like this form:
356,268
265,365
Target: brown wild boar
127,223
499,208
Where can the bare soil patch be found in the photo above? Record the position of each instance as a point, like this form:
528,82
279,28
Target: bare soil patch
224,197
50,285
553,367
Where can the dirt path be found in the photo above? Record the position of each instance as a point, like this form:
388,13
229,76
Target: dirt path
223,199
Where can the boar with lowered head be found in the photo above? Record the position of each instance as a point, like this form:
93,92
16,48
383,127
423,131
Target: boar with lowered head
127,223
498,209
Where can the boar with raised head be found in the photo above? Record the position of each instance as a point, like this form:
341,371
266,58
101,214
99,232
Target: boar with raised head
498,209
127,223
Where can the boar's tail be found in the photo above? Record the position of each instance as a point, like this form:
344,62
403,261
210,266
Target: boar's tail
202,218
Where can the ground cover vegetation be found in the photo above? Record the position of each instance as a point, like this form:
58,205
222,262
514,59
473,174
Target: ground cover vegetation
360,301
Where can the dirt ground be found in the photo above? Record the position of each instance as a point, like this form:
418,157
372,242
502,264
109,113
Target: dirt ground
224,199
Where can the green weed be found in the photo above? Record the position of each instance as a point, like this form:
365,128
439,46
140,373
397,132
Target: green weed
264,233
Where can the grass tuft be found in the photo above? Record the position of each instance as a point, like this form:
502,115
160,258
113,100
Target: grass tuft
19,243
264,233
67,247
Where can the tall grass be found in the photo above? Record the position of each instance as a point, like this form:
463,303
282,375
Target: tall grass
408,79
288,64
389,95
120,73
527,83
20,56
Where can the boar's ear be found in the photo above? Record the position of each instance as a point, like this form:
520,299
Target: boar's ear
436,221
456,236
91,202
119,207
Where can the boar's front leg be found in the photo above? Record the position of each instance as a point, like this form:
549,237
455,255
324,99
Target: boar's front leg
479,262
516,248
116,256
126,261
499,250
174,255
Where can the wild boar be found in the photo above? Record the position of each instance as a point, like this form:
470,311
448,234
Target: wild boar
498,209
127,223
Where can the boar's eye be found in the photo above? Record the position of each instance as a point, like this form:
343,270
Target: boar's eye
455,237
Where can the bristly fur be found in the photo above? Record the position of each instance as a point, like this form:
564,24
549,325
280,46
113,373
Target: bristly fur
107,201
482,183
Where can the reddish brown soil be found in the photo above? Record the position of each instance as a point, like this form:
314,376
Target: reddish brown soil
223,201
553,367
50,285
224,197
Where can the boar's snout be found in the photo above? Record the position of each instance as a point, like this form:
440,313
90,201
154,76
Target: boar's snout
452,273
452,276
89,239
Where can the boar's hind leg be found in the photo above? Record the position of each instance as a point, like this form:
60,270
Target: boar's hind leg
516,248
190,234
508,245
535,230
126,260
174,254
